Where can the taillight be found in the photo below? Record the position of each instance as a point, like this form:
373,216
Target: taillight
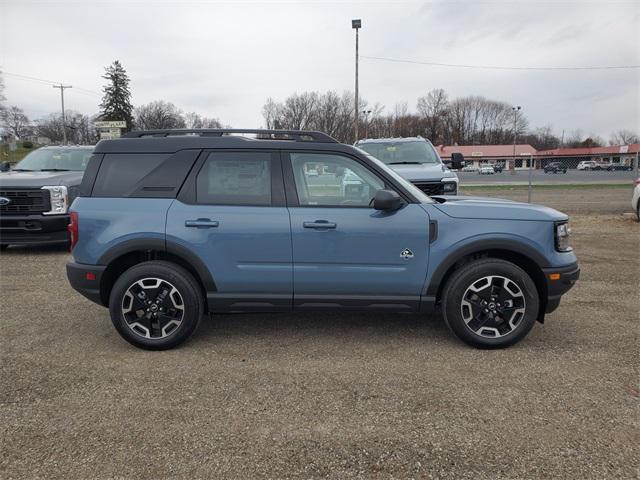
637,182
73,229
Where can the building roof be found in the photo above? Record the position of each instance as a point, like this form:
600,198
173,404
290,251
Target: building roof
506,151
577,152
485,151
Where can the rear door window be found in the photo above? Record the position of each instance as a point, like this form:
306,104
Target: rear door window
235,178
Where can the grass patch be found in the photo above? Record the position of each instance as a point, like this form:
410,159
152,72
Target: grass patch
14,156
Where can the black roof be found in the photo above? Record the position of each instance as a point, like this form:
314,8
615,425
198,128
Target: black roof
169,141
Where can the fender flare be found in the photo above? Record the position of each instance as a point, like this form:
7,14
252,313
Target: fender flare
477,246
161,245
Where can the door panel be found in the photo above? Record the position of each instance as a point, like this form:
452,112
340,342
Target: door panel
359,262
248,253
231,214
345,253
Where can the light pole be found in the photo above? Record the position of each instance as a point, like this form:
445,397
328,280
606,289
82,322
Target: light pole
356,25
366,114
515,109
64,123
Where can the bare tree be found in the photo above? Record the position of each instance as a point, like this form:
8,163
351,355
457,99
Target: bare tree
158,115
194,120
624,137
2,97
79,128
15,122
329,112
434,108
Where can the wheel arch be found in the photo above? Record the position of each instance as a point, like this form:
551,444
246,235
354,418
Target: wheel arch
523,256
124,256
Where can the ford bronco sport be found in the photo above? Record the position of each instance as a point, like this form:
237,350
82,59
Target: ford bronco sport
35,195
171,225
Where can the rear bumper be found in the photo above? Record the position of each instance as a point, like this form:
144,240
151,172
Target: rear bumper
569,275
85,279
33,229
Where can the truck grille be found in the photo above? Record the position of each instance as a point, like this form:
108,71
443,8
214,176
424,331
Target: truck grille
430,188
25,201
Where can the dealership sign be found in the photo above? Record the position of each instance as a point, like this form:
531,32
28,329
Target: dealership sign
111,124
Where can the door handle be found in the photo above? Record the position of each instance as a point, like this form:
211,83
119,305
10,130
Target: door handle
319,224
201,223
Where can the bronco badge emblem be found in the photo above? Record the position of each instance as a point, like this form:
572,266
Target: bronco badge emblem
406,253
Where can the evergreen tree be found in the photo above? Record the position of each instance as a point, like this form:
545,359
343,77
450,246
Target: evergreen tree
116,102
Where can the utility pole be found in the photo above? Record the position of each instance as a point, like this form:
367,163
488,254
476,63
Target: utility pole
64,122
356,24
515,134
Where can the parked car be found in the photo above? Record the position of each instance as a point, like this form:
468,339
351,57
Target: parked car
555,167
635,199
35,195
469,168
168,227
588,165
498,167
487,169
619,166
416,160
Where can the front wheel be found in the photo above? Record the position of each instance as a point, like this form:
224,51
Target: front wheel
490,303
156,305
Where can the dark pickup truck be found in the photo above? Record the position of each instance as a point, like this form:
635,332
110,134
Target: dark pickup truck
35,195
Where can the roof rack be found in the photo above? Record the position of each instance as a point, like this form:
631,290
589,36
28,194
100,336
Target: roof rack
293,135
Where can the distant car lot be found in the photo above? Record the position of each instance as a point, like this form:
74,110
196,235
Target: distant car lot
538,176
348,395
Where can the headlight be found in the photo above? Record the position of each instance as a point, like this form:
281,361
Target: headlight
449,187
59,200
562,237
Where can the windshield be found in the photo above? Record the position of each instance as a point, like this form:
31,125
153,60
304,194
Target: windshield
56,159
399,153
419,194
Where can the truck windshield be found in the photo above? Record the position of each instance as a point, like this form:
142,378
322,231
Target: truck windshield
399,153
55,159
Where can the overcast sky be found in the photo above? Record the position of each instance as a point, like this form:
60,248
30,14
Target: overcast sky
225,58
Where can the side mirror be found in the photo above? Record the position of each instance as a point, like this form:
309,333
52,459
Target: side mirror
5,167
387,200
457,161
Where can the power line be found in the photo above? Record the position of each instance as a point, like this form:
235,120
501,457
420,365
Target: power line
497,67
19,76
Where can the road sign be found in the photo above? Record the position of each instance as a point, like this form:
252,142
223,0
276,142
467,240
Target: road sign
111,124
109,134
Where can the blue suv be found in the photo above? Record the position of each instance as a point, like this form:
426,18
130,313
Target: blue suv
171,225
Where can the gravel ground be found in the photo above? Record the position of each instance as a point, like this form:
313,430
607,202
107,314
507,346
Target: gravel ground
355,395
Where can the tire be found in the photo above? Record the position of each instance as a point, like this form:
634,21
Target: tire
638,210
491,330
178,300
3,247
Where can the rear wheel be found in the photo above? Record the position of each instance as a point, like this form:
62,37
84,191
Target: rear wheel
490,303
156,305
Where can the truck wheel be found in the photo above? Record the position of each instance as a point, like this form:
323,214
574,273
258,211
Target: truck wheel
156,305
490,303
3,247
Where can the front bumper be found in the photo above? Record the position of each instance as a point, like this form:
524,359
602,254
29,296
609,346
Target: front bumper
559,281
85,279
33,229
